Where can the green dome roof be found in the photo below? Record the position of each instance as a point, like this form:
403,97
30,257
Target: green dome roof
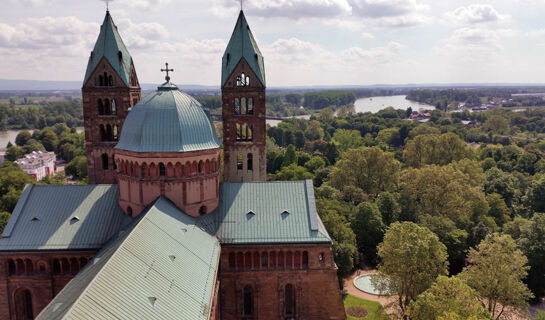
168,120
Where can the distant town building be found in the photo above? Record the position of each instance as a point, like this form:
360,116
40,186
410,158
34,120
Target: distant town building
38,164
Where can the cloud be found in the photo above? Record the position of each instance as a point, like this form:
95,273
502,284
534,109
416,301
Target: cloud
474,43
392,13
367,35
292,9
475,13
31,3
535,33
141,35
140,4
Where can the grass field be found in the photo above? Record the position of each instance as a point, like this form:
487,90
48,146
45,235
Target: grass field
376,312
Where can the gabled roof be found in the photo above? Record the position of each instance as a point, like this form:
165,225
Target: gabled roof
162,267
266,213
109,45
43,218
168,120
242,46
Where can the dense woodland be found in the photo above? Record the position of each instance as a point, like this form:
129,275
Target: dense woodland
437,208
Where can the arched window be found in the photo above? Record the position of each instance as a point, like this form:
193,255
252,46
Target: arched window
109,133
237,106
23,305
289,260
110,81
20,266
29,267
162,169
256,263
100,107
82,262
264,260
232,260
114,163
238,132
239,161
74,266
240,260
243,107
11,267
115,133
65,265
105,79
153,170
272,258
104,161
243,80
250,133
289,301
248,309
305,259
202,210
297,260
248,260
249,162
56,266
102,133
201,167
107,108
129,211
114,107
280,261
250,106
100,80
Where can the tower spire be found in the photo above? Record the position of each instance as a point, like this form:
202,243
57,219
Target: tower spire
108,4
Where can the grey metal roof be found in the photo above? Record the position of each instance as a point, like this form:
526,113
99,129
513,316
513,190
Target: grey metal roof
163,267
232,223
43,218
110,46
168,120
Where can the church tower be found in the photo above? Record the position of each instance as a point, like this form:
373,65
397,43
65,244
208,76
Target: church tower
110,89
243,103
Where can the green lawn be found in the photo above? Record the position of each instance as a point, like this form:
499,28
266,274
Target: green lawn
376,312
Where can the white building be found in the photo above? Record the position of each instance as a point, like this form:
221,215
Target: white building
38,164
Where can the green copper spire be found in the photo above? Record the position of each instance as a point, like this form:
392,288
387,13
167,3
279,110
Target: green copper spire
110,46
242,45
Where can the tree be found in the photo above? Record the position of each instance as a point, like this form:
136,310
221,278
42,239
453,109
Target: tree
293,172
314,164
447,296
441,191
412,257
436,149
423,129
347,139
536,195
390,136
496,271
49,140
314,131
345,250
503,183
370,169
530,237
13,153
498,209
368,228
496,124
290,156
22,138
4,218
77,167
388,206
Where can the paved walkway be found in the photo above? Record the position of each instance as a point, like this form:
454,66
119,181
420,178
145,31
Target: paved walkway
352,290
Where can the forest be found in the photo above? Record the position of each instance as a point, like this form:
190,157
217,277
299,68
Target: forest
460,204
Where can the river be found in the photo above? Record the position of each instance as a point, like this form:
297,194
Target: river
10,135
375,104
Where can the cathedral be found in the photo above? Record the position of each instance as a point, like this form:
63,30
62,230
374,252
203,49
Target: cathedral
170,227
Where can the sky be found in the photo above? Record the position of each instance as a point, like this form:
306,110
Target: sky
304,42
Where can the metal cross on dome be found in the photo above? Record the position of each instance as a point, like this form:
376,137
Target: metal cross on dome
107,4
167,78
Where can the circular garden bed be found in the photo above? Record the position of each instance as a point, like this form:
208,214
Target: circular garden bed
357,312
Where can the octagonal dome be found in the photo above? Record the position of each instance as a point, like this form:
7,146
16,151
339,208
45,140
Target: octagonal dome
168,120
